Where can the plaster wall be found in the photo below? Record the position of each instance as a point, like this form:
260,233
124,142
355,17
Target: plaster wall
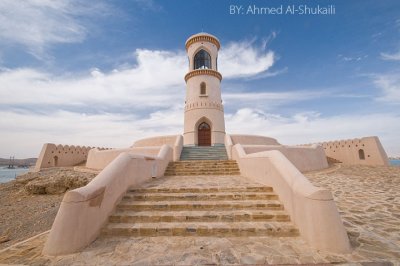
253,140
53,155
84,211
213,91
350,151
311,209
99,159
156,141
304,158
213,117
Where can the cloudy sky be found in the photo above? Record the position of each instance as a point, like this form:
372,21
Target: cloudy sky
107,73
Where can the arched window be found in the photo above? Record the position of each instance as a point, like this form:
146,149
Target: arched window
202,60
203,88
361,154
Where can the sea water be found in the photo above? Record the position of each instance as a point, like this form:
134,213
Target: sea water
7,174
395,162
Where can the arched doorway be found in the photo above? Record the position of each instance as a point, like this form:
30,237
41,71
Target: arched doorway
204,134
55,161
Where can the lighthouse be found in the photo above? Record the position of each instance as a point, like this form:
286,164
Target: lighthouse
204,123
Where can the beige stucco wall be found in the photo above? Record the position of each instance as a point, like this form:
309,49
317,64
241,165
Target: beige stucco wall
53,155
253,140
84,211
347,151
99,159
156,141
304,158
311,209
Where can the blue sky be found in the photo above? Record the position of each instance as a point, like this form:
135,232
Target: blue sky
106,73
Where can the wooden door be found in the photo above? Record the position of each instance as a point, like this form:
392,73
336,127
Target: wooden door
204,134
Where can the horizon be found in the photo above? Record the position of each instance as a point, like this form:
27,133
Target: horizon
108,73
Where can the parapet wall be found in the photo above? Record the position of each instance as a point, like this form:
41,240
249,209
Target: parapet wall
99,159
156,141
253,140
304,158
364,151
312,209
308,158
85,210
53,155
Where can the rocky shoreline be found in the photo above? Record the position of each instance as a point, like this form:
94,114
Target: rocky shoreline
30,203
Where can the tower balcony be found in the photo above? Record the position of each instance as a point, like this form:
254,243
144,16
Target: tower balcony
198,72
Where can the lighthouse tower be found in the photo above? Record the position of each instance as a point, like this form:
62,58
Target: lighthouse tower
204,123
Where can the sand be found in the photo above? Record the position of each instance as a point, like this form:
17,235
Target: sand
24,214
368,199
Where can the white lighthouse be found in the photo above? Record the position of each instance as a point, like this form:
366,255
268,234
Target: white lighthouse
204,123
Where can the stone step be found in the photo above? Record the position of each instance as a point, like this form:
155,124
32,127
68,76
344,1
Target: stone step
202,157
208,173
204,153
202,189
207,162
198,216
217,229
200,196
129,204
202,167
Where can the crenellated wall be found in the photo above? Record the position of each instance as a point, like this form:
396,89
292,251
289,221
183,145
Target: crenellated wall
364,151
53,155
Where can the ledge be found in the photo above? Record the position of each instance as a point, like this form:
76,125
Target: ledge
202,37
198,72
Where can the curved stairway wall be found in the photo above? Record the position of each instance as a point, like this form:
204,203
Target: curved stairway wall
84,211
312,209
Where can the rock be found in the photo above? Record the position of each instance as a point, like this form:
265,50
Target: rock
57,181
35,187
252,259
4,238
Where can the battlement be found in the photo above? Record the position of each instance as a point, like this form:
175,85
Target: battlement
58,155
365,151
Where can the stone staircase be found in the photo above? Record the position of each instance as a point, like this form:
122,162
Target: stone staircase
204,153
206,167
200,211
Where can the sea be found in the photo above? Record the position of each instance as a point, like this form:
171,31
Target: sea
10,174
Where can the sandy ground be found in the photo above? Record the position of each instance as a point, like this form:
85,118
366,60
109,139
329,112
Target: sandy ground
23,214
368,200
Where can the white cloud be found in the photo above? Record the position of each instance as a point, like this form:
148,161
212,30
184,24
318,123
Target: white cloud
311,127
156,80
25,137
23,134
100,108
391,57
244,59
36,24
389,84
352,58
